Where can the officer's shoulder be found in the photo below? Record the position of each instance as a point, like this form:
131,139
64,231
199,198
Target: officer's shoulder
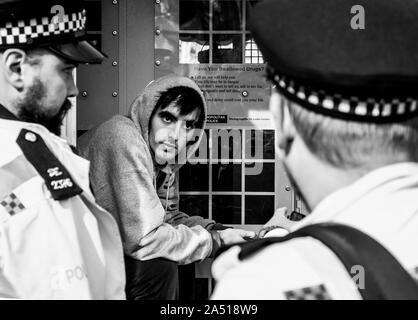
255,247
303,258
304,252
57,178
277,270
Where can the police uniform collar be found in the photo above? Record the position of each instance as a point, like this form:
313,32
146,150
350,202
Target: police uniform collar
6,114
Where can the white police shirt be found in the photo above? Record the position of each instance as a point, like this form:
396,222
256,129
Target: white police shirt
55,242
382,204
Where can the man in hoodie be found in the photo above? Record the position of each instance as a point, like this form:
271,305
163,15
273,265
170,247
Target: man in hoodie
134,174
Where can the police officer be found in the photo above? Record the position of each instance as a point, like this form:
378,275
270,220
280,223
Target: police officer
55,242
344,100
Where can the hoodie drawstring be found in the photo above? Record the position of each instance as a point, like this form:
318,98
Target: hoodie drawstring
170,182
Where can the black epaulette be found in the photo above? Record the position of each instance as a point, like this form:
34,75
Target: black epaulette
57,178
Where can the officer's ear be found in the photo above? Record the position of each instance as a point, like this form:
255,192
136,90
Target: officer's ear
12,61
285,128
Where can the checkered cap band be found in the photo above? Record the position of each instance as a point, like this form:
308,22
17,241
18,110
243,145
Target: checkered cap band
308,293
24,31
12,204
350,108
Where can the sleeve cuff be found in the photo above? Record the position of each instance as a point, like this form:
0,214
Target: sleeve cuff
218,226
216,243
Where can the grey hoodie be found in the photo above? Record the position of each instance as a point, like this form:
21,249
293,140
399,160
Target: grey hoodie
124,179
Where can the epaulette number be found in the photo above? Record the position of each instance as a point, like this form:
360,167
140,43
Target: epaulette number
62,184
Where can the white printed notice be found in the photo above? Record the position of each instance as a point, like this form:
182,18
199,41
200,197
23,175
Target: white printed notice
219,54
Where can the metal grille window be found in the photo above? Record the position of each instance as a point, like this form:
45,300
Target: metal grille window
224,187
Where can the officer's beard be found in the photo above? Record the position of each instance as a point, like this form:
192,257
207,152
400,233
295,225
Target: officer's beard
31,109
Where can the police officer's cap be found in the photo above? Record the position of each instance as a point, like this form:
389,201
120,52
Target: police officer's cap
33,24
350,59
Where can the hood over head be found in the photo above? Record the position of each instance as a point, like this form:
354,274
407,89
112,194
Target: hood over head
145,103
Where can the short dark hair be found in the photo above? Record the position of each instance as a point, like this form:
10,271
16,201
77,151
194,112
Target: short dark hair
187,100
349,144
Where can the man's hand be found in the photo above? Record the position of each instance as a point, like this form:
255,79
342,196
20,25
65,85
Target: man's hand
277,221
230,236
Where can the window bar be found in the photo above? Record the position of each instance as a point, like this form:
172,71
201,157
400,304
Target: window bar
243,28
210,31
210,175
243,137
